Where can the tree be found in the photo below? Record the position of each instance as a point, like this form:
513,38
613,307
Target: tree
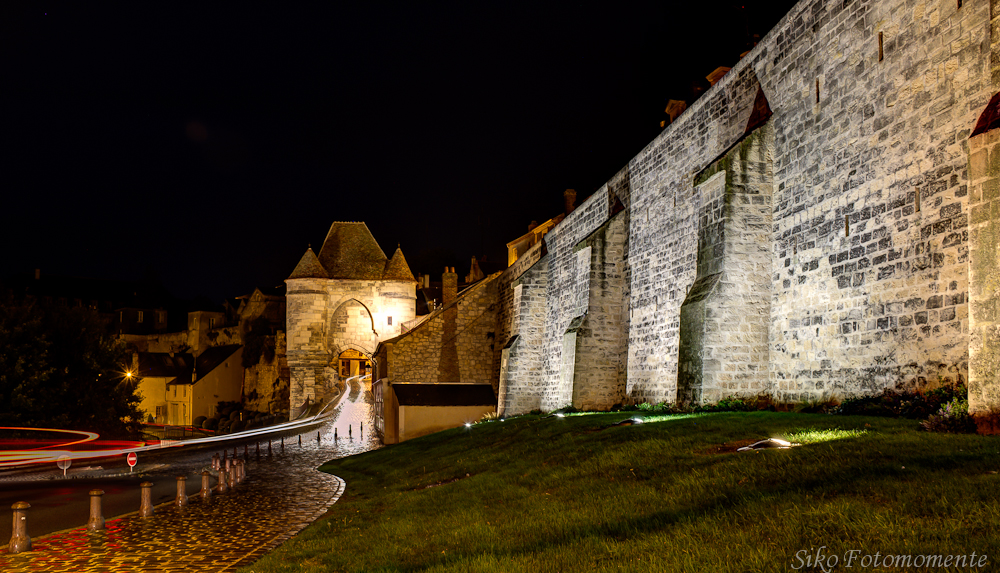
60,368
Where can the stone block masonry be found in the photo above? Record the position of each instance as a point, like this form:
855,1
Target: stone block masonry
830,257
455,344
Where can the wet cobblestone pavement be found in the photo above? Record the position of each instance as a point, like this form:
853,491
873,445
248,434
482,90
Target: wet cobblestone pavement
282,494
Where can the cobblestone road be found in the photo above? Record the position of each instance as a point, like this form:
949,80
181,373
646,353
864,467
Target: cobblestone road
283,493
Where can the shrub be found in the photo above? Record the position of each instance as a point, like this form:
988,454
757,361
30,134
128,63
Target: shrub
898,404
211,424
953,417
731,404
199,422
237,426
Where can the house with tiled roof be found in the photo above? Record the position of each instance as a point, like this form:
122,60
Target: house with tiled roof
176,387
341,302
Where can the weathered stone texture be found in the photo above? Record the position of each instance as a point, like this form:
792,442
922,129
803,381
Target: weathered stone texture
867,254
984,275
326,317
265,386
454,345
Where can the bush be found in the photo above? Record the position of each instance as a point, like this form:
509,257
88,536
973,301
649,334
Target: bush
199,422
235,415
211,424
224,409
953,418
898,404
237,426
731,404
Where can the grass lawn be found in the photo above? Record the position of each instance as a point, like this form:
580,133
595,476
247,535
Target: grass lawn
580,493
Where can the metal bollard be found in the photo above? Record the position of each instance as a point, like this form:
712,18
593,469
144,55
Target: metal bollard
20,541
239,472
317,437
269,446
258,450
300,439
348,430
96,520
221,478
282,443
245,454
225,459
335,433
232,476
146,502
206,484
182,498
361,428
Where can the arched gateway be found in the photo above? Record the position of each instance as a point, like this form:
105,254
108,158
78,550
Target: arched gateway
345,300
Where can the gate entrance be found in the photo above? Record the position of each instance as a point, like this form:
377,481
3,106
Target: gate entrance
353,363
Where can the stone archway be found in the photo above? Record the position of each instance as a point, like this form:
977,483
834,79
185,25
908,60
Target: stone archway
351,325
351,360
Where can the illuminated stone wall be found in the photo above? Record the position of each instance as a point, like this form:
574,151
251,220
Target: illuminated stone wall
871,107
454,345
984,279
328,316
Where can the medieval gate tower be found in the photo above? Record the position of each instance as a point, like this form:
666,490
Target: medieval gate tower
347,298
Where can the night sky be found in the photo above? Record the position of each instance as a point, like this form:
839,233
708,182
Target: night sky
208,146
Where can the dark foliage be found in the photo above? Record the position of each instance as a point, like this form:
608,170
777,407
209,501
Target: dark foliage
60,368
898,404
953,417
258,342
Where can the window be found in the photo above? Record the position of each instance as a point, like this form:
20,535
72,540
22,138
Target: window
161,317
211,323
140,316
390,321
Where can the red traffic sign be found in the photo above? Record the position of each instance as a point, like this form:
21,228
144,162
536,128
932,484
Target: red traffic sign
132,459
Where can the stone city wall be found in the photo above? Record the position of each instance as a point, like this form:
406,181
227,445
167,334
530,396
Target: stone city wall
871,105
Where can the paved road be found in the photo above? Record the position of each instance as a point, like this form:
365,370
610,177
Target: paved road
283,494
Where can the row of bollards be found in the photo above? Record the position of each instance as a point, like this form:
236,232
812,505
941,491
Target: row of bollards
230,473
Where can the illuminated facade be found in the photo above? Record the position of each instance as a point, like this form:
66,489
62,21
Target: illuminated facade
822,222
340,304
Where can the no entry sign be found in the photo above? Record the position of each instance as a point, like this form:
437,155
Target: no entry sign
63,462
131,458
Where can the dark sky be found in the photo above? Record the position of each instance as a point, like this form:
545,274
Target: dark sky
209,145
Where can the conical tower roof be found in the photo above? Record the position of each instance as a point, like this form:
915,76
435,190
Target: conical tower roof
309,267
397,269
350,252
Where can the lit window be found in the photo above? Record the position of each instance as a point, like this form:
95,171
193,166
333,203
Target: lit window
140,316
211,323
390,321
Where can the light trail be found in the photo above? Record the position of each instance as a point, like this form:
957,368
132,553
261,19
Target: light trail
48,453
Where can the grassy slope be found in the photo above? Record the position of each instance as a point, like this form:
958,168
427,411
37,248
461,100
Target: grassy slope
564,494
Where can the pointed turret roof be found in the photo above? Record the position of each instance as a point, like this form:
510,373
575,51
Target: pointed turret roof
309,267
397,269
350,252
